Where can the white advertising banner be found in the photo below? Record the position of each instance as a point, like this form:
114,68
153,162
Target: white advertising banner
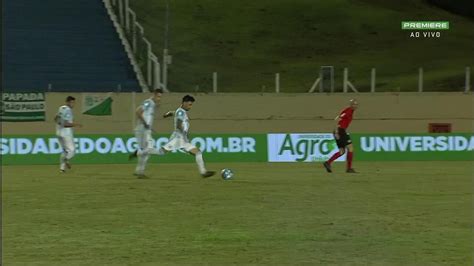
301,147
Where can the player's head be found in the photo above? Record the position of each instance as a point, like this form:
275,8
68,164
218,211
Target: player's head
157,95
353,104
187,102
70,101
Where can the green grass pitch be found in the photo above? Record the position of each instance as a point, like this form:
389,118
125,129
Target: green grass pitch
417,213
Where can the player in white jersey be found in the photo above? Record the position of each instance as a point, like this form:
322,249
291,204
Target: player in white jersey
179,140
145,115
64,125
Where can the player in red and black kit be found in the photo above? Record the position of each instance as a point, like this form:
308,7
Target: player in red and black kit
343,140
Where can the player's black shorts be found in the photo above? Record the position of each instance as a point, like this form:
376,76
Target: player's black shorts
344,138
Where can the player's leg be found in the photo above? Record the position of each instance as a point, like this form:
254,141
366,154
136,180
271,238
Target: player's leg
336,155
141,164
142,160
62,157
140,140
150,148
153,151
350,156
172,145
70,150
147,148
340,142
147,145
199,160
160,151
350,153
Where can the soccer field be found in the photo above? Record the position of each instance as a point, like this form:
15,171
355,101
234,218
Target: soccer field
416,213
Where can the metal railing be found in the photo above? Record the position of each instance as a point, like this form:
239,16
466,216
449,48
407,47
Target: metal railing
141,47
348,85
325,82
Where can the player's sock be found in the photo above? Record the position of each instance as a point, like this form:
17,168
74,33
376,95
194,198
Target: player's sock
349,160
200,163
145,161
142,160
62,162
334,157
138,169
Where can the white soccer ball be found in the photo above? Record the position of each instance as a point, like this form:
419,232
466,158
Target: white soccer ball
227,174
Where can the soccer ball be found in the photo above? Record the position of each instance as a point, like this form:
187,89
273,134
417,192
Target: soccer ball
227,174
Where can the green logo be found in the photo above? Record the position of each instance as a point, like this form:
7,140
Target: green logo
425,25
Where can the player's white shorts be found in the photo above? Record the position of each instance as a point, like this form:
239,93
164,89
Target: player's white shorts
144,139
67,144
178,143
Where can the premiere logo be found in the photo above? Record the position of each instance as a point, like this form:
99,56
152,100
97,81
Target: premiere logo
425,29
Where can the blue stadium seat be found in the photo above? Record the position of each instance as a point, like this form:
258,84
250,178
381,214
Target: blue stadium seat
70,44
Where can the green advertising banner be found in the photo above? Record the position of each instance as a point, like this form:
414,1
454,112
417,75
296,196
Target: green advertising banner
285,147
114,149
22,107
414,147
318,147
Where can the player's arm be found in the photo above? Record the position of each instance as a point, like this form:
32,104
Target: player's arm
71,124
139,113
168,114
68,123
57,119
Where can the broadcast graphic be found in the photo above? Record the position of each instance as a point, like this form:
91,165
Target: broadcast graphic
425,29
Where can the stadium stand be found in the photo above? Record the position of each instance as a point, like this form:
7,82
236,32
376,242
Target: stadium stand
70,44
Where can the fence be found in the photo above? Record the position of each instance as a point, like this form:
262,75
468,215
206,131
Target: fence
325,82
